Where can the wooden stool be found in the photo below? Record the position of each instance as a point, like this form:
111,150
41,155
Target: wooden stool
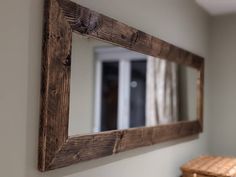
209,166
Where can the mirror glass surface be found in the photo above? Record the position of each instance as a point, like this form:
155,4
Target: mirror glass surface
114,88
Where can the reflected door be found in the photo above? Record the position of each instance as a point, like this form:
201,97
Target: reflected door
137,93
120,89
109,95
114,88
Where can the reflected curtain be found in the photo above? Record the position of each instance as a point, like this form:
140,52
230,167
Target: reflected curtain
161,92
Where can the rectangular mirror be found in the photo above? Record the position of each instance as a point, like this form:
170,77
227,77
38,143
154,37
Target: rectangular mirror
107,87
113,88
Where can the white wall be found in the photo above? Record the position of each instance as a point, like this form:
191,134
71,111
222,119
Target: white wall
82,84
81,116
180,22
187,93
222,72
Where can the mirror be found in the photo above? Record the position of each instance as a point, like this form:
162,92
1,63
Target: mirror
99,99
113,88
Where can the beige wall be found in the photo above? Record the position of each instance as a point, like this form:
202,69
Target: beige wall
187,93
180,22
222,84
81,118
82,84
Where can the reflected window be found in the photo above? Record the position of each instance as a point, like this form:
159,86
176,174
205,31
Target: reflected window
114,88
120,89
109,93
137,93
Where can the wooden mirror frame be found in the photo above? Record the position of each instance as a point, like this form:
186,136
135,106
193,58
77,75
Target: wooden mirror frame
56,148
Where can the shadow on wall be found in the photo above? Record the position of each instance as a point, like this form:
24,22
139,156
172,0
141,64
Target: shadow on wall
35,42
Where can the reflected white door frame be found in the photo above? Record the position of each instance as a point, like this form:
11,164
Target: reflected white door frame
124,57
124,94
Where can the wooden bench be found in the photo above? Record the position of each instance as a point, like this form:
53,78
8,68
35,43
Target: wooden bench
210,166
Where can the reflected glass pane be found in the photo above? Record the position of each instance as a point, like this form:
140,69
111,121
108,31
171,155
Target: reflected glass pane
137,93
110,80
114,88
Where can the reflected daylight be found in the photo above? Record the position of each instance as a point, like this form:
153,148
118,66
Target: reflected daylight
113,88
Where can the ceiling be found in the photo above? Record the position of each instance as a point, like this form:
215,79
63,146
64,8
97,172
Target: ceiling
218,7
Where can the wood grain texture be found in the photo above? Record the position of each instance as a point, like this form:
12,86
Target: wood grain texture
55,87
82,148
210,166
56,149
88,22
195,175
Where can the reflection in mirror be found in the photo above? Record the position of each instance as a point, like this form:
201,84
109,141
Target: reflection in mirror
115,88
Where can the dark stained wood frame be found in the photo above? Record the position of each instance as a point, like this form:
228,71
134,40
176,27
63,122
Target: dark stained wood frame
56,148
